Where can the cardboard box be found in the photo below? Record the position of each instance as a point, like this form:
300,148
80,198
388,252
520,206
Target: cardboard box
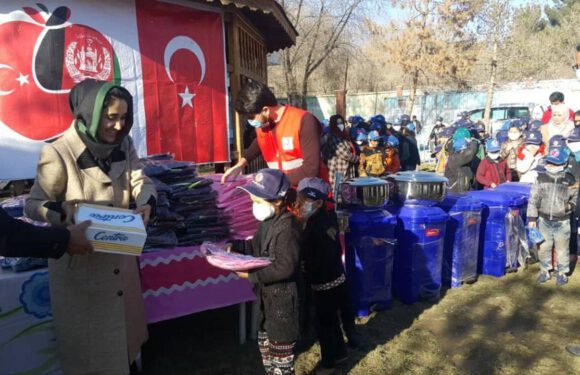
113,230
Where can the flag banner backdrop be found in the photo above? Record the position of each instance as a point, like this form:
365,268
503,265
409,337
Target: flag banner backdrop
170,57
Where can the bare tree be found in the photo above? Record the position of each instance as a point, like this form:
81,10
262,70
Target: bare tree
321,25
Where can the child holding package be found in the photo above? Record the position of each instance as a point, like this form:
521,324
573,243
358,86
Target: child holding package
552,200
492,170
325,272
278,238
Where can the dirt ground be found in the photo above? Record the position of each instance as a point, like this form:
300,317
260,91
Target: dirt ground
501,326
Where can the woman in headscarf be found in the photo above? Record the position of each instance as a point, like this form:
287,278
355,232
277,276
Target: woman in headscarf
96,299
560,124
338,152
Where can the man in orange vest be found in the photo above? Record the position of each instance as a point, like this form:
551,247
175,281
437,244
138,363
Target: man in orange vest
288,138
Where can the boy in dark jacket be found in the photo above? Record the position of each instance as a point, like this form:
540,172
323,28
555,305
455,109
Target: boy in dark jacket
492,170
458,168
325,272
552,200
278,238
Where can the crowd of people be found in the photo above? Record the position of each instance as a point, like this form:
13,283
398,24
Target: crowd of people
96,298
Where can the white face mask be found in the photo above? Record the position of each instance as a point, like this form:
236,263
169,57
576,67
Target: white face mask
554,168
514,136
263,211
397,128
307,209
340,126
574,146
493,155
532,149
360,143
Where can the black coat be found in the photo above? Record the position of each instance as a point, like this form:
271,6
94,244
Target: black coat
276,285
408,154
322,250
574,168
20,239
459,169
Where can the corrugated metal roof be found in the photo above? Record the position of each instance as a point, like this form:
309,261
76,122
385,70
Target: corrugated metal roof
269,18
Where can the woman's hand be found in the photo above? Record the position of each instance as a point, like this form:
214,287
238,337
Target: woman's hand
69,209
145,212
233,172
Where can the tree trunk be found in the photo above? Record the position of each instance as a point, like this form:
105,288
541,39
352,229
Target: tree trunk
490,90
304,92
412,94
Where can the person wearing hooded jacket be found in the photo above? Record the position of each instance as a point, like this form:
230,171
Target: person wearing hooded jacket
559,123
408,150
96,299
458,168
338,152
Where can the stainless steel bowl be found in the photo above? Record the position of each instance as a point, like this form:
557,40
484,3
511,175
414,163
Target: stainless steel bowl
364,192
420,186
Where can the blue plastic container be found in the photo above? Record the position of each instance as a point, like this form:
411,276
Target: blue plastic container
461,239
501,229
370,246
521,188
419,253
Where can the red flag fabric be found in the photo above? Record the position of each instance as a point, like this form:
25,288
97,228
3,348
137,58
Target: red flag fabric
183,66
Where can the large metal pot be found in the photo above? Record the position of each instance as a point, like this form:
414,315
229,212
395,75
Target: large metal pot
420,187
364,192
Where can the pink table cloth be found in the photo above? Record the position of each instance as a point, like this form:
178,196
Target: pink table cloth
180,282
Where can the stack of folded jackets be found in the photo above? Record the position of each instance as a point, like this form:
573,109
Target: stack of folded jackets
235,207
186,212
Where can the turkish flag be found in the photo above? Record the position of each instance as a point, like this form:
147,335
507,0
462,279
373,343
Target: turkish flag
184,88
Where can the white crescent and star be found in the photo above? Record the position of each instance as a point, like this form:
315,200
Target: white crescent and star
178,43
23,79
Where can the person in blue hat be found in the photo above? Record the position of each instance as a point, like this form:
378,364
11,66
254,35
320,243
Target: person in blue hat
392,161
535,125
492,170
361,141
279,238
324,271
552,200
372,157
530,155
458,169
509,149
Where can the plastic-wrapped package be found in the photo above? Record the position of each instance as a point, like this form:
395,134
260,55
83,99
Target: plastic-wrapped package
217,257
370,247
461,251
517,249
419,254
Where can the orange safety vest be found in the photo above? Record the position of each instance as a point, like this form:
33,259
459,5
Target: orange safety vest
281,148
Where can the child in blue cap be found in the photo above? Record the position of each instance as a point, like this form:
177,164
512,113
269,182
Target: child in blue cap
276,286
372,157
552,200
492,170
322,255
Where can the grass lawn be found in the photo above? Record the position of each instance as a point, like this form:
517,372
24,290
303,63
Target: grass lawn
495,326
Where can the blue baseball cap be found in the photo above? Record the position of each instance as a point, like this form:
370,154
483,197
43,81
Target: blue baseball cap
405,118
516,124
356,119
379,118
393,141
397,121
374,136
376,126
532,137
314,188
460,144
411,127
268,184
446,132
361,136
557,156
575,136
557,141
492,145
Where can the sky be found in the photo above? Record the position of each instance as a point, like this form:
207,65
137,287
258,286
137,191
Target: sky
385,16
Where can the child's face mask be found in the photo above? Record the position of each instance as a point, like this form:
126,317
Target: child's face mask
493,155
514,135
551,168
360,143
533,149
309,208
340,126
263,211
